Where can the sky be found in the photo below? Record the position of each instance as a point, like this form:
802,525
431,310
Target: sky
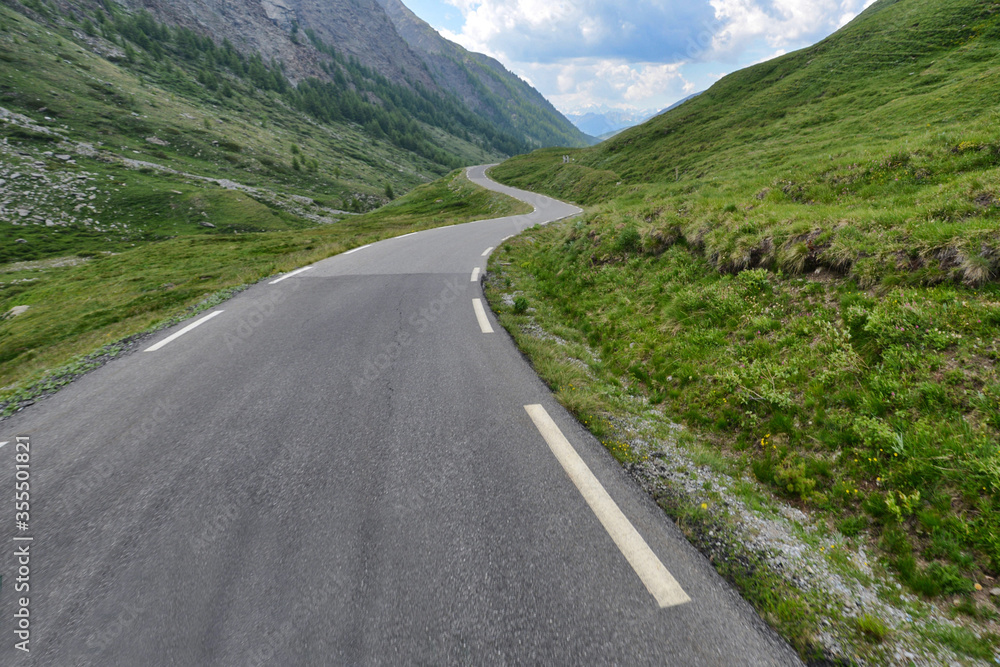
632,54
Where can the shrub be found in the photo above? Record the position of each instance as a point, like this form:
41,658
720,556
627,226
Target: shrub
793,479
753,281
628,241
871,627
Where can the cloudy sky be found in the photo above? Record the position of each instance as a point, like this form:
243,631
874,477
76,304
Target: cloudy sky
636,54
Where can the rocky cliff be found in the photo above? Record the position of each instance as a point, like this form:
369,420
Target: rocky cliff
274,28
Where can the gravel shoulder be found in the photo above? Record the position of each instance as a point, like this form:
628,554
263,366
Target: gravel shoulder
827,594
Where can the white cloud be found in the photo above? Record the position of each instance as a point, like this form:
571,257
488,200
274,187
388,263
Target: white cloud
778,23
644,52
776,54
652,81
551,30
584,83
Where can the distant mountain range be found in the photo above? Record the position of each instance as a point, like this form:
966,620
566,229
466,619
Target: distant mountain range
598,121
605,122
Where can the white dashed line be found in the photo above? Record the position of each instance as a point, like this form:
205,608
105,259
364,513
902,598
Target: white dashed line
659,582
405,235
487,251
357,249
4,443
475,274
484,323
183,331
289,275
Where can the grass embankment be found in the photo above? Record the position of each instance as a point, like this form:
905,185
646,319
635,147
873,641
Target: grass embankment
873,153
91,306
800,265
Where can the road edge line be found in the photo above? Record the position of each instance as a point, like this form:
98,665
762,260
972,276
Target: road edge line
654,575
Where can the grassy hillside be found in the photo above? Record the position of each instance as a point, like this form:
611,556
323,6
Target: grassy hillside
100,153
872,153
801,267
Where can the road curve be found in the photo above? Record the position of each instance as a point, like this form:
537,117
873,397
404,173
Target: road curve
343,468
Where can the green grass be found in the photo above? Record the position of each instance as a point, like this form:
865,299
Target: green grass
801,267
157,112
874,408
872,628
75,310
874,154
965,641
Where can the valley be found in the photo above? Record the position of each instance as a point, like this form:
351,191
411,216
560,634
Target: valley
778,312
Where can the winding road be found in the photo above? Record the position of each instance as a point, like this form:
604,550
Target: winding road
348,465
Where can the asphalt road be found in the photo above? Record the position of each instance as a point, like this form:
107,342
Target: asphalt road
339,469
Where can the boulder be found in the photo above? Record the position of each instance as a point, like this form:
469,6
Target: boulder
14,312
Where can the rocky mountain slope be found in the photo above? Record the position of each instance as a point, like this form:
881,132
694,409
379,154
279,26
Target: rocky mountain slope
484,84
386,37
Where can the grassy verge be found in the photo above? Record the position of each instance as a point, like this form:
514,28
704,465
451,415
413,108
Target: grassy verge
875,413
77,308
799,267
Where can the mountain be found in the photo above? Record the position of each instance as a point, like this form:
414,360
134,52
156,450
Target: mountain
199,138
302,36
338,61
484,84
603,121
273,29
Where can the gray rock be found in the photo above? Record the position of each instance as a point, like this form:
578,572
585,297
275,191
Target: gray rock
207,224
20,241
15,311
995,592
